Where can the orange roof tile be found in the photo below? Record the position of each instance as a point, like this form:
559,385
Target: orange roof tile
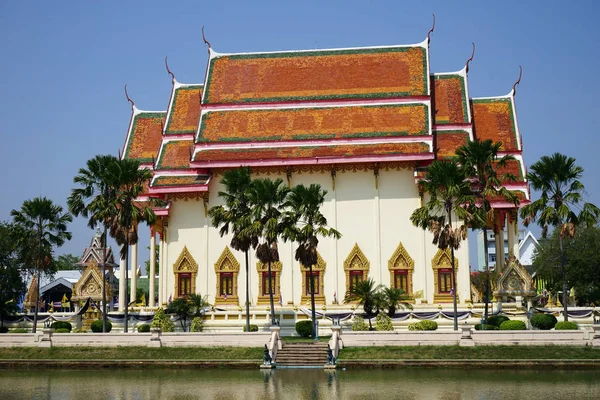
145,136
450,99
446,142
494,119
185,110
180,180
299,152
513,167
175,154
315,75
314,123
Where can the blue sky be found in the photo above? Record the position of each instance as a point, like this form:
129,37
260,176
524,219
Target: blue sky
64,65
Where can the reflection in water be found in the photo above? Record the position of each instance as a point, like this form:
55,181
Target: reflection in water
224,384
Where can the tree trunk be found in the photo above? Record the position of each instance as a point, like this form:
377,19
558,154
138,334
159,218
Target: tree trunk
564,279
486,293
312,302
271,295
453,278
126,299
247,294
39,270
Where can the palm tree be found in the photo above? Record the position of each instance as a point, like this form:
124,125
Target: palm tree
395,298
558,178
128,179
95,199
449,192
366,294
305,223
480,159
197,303
267,198
234,215
48,225
182,307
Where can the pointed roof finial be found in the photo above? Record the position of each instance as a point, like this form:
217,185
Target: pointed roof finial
431,30
205,41
128,98
514,88
119,151
470,58
169,71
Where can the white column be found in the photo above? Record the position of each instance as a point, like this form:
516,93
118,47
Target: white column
152,277
161,271
122,284
378,231
513,239
166,266
133,272
334,249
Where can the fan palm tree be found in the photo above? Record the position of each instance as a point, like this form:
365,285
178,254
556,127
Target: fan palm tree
449,193
394,299
47,224
481,159
129,180
95,199
560,205
234,216
267,198
304,224
366,294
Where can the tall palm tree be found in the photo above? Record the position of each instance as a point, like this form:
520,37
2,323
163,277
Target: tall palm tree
305,223
449,192
481,159
95,199
129,180
48,226
367,294
267,198
234,215
560,203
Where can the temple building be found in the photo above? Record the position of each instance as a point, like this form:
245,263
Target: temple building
362,123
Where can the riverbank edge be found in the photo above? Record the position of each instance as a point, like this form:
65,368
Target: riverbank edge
254,364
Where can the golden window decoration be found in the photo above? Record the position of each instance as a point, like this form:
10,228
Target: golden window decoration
185,270
263,281
227,270
442,276
401,267
318,277
356,266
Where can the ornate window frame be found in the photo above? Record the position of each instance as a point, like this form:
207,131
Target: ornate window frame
276,267
227,263
356,261
402,261
443,260
319,267
185,264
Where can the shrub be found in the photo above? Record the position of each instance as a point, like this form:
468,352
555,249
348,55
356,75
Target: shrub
513,326
61,325
253,328
162,321
64,330
304,328
486,327
197,325
19,330
544,322
79,331
566,326
359,324
3,329
424,325
96,326
383,323
143,328
497,320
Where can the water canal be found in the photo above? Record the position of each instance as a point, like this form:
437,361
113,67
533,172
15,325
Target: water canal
227,384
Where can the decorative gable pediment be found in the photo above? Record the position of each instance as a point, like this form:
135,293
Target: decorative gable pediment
356,260
319,266
443,259
185,262
90,284
227,262
401,259
514,280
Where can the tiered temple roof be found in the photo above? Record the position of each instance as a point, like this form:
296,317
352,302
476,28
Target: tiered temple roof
372,104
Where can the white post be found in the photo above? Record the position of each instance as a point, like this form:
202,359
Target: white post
152,277
165,264
133,272
513,239
122,284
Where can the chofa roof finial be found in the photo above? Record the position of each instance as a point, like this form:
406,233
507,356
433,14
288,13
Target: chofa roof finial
128,98
205,41
431,30
514,88
470,58
169,71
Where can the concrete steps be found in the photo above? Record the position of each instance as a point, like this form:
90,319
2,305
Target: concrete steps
310,354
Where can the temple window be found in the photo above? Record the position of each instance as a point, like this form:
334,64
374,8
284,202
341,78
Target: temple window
318,274
227,269
263,281
315,278
355,278
185,284
185,269
442,276
445,280
226,283
356,266
401,280
401,267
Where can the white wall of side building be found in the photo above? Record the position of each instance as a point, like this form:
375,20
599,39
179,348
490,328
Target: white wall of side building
376,217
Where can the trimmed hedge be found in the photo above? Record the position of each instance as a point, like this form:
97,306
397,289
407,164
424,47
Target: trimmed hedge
144,328
383,323
513,326
566,326
197,325
544,322
96,326
304,328
424,325
62,330
359,324
497,320
19,330
61,325
253,328
162,321
486,327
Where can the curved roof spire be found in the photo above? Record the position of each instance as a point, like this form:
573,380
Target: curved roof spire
205,41
514,87
431,30
169,71
129,99
470,58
